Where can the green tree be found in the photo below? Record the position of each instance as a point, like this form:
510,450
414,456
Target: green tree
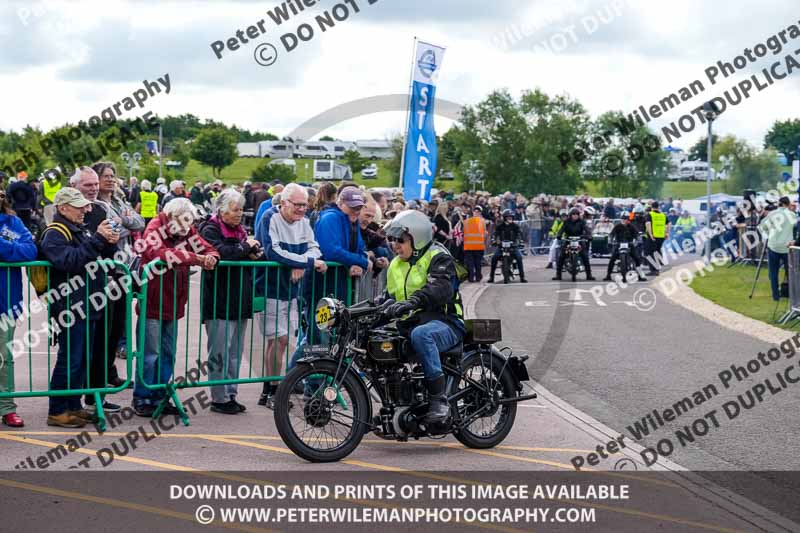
394,164
627,162
754,169
784,136
518,144
215,148
699,151
267,172
354,160
327,138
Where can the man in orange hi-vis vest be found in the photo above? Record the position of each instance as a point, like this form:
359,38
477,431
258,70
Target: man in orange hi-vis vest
474,243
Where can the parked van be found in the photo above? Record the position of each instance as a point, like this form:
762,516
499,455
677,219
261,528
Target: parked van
276,149
312,150
249,149
694,170
375,149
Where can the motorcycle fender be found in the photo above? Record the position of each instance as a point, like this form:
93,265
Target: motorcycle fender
513,364
315,361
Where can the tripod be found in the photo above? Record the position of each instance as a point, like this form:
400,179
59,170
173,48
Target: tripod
758,268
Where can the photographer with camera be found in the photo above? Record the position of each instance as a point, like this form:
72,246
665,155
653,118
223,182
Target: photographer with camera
778,228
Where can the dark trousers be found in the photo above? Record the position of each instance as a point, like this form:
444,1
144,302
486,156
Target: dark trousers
473,258
69,371
584,255
516,256
615,256
775,260
651,246
104,348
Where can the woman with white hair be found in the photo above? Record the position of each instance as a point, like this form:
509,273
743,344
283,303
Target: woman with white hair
227,304
169,238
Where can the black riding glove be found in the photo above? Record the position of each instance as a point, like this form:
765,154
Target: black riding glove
399,309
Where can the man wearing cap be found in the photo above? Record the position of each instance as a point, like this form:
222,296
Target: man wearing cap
339,238
72,249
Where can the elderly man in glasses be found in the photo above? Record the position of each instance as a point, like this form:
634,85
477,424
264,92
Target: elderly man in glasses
287,238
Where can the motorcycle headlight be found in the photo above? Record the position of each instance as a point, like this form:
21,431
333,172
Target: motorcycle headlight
327,312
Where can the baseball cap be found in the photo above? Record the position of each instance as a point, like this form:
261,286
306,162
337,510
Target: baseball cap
70,196
352,197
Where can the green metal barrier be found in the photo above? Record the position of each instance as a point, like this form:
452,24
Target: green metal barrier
30,304
259,289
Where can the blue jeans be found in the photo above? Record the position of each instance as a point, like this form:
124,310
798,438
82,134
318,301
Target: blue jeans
70,374
775,260
535,239
158,363
429,340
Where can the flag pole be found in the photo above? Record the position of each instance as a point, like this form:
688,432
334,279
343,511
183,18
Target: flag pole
408,111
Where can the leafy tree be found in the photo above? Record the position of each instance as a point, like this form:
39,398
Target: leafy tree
784,136
699,151
327,138
215,148
518,144
627,162
754,169
354,160
393,165
267,172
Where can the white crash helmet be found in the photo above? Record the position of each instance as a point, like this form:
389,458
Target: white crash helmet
415,224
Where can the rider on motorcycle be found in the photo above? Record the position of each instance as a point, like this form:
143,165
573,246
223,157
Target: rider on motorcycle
624,232
507,230
423,283
575,226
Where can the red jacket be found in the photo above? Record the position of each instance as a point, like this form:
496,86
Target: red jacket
170,283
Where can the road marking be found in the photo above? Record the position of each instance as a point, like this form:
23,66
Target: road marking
168,466
118,503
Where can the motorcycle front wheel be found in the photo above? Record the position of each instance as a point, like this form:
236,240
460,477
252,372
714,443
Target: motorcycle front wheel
321,413
485,385
506,269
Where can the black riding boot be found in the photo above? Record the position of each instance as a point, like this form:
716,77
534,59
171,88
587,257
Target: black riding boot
439,409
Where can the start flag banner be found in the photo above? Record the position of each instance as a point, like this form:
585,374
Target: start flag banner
420,157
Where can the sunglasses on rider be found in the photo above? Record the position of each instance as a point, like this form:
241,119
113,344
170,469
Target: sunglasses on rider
398,240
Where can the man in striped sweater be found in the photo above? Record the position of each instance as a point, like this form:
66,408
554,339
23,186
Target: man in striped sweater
287,238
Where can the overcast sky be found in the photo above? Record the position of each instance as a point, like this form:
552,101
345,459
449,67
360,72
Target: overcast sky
65,61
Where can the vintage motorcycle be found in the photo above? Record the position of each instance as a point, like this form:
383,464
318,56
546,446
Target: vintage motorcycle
368,382
507,256
573,261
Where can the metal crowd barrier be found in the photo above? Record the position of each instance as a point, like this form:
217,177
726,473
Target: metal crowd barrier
283,323
43,330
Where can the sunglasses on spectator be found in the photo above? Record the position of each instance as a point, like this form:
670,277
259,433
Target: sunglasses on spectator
398,240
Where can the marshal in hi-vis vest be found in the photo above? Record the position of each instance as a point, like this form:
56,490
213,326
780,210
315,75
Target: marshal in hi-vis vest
475,234
658,223
49,191
149,202
404,279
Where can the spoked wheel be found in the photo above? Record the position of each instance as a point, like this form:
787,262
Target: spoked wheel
484,387
321,413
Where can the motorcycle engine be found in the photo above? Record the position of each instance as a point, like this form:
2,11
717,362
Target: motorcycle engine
400,387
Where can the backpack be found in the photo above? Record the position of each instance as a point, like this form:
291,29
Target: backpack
38,275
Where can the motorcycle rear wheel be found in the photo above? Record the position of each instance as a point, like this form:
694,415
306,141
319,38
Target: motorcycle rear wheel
490,430
324,423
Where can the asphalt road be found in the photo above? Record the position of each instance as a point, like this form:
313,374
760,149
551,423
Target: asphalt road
618,363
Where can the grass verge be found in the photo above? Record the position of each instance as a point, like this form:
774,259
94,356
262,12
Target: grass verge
729,287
